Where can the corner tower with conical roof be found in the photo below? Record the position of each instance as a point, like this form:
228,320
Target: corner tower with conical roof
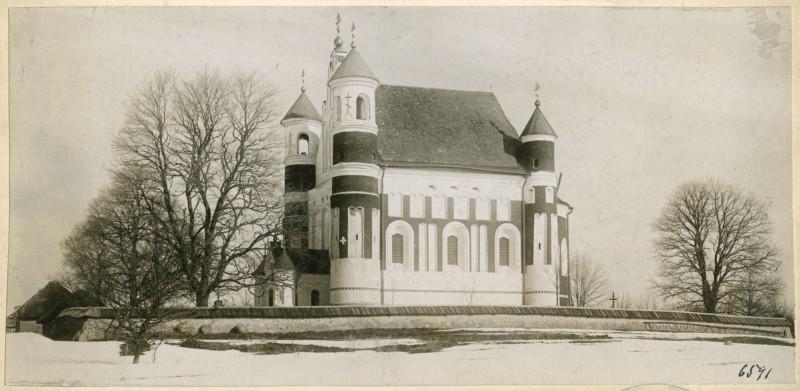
302,126
545,222
354,200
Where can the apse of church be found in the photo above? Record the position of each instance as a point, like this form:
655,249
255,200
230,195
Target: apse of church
408,195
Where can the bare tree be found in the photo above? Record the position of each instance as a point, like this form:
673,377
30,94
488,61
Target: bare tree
211,156
119,254
85,260
641,301
589,284
754,295
710,236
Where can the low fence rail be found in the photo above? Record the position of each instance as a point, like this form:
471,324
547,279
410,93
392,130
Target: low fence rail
361,311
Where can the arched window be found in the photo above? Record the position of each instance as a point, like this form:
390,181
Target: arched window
362,108
397,248
456,246
302,144
314,297
503,250
338,108
452,250
508,248
400,245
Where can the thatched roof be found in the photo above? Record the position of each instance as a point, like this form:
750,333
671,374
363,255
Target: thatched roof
53,297
444,128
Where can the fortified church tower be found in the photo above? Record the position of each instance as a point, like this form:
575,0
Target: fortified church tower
397,216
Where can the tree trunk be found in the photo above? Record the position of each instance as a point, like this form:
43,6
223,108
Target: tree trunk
201,300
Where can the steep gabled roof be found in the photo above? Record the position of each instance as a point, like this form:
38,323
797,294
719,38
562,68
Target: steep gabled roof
538,124
52,297
303,108
445,128
353,66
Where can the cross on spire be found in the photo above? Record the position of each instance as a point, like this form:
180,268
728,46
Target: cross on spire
303,80
353,35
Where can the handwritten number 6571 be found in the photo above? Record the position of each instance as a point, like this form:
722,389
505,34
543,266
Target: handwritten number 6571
755,369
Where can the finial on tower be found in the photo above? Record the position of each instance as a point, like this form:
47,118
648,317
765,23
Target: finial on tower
353,35
537,103
303,81
536,88
337,42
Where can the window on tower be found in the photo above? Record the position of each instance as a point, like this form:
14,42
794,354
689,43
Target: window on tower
535,163
338,108
362,108
302,144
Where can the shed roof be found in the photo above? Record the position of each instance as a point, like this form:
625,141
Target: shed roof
305,261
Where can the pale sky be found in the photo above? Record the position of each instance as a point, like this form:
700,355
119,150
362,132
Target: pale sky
642,100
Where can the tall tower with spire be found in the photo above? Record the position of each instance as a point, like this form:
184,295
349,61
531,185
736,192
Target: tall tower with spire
302,126
542,269
354,201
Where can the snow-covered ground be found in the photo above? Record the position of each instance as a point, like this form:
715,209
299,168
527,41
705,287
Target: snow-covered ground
626,358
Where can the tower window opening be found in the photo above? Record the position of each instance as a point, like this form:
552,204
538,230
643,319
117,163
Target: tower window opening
338,108
362,108
535,163
540,246
302,144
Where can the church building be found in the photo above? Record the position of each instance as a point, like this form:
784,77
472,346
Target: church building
400,195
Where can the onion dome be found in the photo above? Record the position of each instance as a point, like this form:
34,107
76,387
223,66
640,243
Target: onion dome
538,123
353,66
303,108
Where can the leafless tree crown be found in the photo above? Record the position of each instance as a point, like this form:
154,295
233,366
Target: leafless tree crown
710,236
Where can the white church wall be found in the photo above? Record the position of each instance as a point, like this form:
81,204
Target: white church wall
419,181
310,282
451,288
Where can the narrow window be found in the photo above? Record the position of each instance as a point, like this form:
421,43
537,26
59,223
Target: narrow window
452,250
535,163
314,297
504,248
338,108
397,248
271,298
361,108
302,144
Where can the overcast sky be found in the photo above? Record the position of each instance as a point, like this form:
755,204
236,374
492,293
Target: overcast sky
642,100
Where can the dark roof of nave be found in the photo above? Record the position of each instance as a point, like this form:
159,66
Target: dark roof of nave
305,261
444,128
303,108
